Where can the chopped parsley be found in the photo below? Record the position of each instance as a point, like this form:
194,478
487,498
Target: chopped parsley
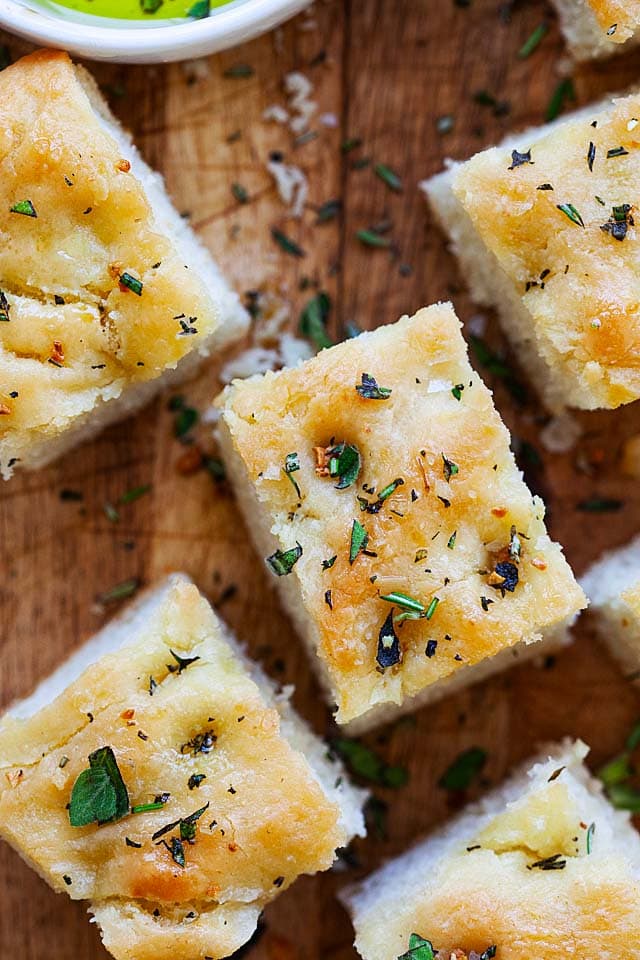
282,562
344,462
464,769
359,541
368,765
25,207
419,949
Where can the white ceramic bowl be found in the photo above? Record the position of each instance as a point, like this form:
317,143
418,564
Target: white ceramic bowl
226,26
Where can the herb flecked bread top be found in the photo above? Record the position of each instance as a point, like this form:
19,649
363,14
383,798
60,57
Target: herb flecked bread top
383,472
619,19
94,294
541,869
559,214
219,811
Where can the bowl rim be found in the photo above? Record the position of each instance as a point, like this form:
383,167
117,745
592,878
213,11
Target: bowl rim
225,28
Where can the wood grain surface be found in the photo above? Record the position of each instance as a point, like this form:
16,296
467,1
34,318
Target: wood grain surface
387,71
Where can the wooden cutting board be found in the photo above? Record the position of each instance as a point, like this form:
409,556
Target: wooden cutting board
383,71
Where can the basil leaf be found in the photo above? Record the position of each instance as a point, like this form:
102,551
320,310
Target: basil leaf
99,794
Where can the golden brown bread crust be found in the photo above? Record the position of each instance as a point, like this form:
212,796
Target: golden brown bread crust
432,538
76,335
579,284
267,820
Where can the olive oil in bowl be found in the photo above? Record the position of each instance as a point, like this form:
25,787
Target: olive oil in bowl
132,12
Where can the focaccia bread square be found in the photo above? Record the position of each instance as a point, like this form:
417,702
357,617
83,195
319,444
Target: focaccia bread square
159,775
599,28
544,229
542,867
612,585
105,292
377,479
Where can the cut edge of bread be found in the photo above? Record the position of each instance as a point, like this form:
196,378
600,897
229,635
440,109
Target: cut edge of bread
407,874
585,37
233,318
488,283
266,543
617,625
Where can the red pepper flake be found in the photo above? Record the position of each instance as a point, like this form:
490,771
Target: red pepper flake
123,165
189,462
538,563
57,354
4,410
499,511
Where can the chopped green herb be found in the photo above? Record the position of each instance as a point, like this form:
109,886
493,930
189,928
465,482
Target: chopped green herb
451,542
619,222
368,765
195,780
389,176
148,807
177,851
183,662
240,193
405,601
369,389
419,949
313,320
464,769
570,211
563,92
351,143
533,41
131,283
359,540
120,591
282,562
624,797
134,494
617,152
345,463
457,391
519,159
199,10
291,466
185,420
329,210
25,207
372,239
99,795
449,468
431,609
327,564
239,70
600,505
286,243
